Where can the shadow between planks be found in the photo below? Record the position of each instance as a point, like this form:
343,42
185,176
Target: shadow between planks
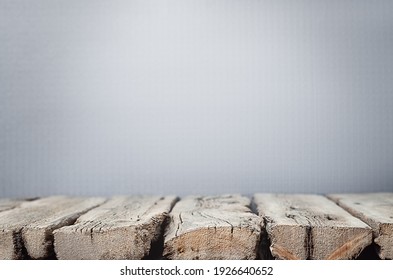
265,226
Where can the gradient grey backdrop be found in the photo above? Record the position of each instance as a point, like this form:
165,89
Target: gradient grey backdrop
104,97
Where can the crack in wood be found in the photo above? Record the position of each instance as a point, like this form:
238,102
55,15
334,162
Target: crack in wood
309,226
216,227
295,228
309,243
112,232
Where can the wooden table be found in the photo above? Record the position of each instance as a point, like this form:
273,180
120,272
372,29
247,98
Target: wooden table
279,226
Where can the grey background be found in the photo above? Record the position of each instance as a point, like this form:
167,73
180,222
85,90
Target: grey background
184,97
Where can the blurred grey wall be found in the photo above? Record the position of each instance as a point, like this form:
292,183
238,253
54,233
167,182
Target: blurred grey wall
110,97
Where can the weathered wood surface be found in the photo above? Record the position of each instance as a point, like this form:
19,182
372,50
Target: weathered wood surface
122,228
310,227
8,204
375,209
214,227
29,226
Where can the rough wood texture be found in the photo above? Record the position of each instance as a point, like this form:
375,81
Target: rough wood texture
8,204
122,228
221,227
310,227
375,209
27,229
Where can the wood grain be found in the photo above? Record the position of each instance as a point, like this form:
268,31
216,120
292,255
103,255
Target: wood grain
26,230
212,227
375,209
310,227
8,204
122,228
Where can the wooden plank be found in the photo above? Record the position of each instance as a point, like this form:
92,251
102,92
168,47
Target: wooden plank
212,227
29,226
122,228
310,227
8,204
375,209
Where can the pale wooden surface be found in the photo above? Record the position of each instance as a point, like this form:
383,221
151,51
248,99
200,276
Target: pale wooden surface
215,227
122,228
375,209
29,226
8,204
311,227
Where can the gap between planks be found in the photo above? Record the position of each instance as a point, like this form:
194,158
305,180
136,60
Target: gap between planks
26,231
208,227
